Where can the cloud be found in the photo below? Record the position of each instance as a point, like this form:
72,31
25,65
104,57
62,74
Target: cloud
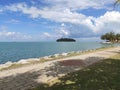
79,4
48,13
1,10
74,24
91,26
46,34
23,7
110,21
59,10
13,21
75,31
54,13
60,5
3,28
8,35
62,31
56,9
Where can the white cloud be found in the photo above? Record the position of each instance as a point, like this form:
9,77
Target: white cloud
110,21
91,26
8,35
79,4
23,7
79,25
55,15
1,10
62,24
60,10
46,34
14,21
3,28
57,10
64,32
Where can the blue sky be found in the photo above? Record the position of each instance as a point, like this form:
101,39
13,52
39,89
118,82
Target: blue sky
47,20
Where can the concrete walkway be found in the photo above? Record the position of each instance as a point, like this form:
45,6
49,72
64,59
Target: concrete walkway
30,76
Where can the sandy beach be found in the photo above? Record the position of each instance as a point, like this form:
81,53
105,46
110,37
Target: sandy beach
30,76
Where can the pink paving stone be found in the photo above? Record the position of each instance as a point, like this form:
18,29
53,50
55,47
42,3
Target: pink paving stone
72,63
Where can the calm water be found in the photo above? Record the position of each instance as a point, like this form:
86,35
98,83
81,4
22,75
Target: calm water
14,51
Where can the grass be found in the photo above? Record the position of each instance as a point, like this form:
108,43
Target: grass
103,75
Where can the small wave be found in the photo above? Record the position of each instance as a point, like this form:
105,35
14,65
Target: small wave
29,60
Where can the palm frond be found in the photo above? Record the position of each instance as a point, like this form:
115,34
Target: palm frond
117,2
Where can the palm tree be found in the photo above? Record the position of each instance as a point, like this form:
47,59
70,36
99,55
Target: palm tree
103,37
118,37
117,2
109,37
112,37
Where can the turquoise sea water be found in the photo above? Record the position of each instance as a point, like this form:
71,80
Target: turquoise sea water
15,51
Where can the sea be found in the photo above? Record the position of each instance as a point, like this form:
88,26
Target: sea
15,51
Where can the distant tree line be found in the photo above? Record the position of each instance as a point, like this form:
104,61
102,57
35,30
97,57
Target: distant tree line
111,37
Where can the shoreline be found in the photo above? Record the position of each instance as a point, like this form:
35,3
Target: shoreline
25,62
32,75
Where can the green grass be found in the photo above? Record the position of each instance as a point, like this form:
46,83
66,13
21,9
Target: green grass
104,75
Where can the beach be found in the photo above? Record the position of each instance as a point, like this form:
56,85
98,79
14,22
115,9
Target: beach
30,76
59,44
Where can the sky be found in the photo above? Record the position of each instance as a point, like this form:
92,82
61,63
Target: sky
48,20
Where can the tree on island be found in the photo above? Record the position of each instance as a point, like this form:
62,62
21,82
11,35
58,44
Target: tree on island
65,40
111,37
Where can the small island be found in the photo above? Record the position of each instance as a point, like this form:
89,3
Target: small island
65,40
